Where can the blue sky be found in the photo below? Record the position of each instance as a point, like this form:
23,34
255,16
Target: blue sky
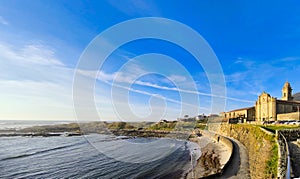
257,44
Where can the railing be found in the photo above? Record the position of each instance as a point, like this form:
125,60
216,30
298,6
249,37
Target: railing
288,166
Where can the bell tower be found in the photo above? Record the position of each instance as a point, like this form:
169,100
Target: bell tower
287,92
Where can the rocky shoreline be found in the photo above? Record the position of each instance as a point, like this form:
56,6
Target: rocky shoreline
39,134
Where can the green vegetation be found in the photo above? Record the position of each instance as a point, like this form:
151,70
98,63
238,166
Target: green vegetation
200,126
272,159
72,127
272,163
273,128
119,125
103,127
262,148
141,125
166,126
177,126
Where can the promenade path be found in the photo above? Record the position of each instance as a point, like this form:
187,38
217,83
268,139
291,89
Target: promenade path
295,158
239,165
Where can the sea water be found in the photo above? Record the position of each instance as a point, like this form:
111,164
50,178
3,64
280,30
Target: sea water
77,157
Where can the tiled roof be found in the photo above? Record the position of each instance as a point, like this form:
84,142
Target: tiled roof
241,109
283,101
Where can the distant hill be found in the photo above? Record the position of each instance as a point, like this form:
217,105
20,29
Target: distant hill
296,97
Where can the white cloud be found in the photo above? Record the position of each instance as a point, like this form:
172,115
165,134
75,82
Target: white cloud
39,54
129,78
34,84
31,53
177,78
289,59
144,8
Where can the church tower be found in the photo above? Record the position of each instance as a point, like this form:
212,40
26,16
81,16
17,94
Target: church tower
287,92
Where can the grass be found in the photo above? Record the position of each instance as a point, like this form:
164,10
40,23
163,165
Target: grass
264,162
272,163
273,128
177,126
200,126
163,126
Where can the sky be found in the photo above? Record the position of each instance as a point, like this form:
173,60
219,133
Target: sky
257,44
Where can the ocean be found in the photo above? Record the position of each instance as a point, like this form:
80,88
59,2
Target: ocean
95,156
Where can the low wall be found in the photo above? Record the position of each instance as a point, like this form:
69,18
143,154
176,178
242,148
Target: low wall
223,140
261,147
282,156
288,116
283,137
291,134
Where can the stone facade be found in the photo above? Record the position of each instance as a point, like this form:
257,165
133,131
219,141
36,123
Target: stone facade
265,107
271,109
268,108
247,114
288,116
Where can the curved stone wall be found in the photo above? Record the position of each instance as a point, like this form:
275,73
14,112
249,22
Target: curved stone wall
223,140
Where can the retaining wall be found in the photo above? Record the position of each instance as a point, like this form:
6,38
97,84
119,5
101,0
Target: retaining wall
257,142
288,116
282,156
291,134
223,140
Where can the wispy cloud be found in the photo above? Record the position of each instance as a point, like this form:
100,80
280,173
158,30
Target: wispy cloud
30,53
34,82
129,78
247,78
3,21
289,59
152,94
132,7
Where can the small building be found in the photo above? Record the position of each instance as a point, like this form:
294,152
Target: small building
243,114
200,117
213,115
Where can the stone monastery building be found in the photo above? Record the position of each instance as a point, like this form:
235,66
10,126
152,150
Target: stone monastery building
268,108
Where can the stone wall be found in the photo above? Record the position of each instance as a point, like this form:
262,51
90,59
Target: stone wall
219,138
284,108
282,156
288,116
226,142
291,134
258,143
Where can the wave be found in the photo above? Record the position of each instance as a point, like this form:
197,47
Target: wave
39,152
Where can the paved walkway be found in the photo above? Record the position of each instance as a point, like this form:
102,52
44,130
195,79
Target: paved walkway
239,165
295,158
